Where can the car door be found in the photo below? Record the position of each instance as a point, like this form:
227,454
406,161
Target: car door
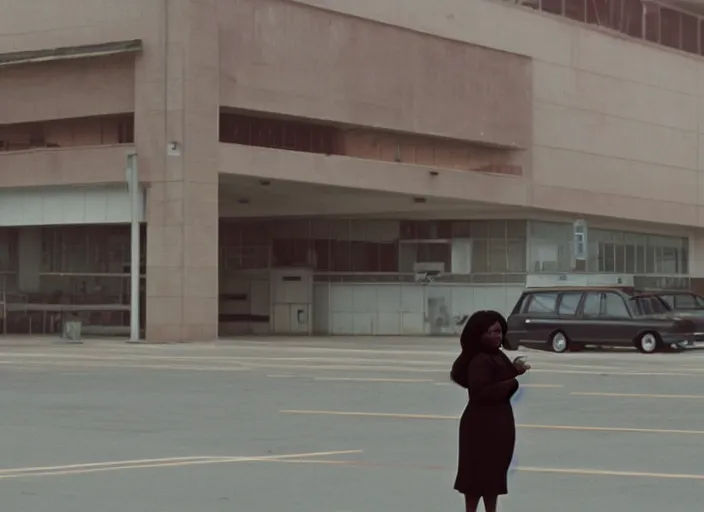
539,316
586,328
617,324
567,308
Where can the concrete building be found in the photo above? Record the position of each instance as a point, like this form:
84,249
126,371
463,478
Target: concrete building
342,167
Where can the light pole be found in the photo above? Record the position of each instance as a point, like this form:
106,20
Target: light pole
132,178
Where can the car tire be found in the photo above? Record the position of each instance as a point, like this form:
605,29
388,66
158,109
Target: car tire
559,342
649,343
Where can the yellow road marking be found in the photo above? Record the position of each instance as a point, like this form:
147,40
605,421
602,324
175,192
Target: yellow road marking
519,425
637,395
76,469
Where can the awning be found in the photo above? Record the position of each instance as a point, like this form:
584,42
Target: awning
70,52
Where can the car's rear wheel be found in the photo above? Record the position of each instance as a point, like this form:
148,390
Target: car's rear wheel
559,342
648,342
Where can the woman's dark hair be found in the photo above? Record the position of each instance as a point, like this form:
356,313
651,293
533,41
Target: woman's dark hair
471,342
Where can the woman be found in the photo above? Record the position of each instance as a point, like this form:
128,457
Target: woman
487,427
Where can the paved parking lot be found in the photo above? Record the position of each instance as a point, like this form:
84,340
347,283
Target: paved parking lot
334,425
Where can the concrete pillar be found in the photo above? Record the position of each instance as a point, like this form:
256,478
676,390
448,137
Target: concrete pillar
176,124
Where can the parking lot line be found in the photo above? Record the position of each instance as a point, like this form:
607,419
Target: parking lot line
636,395
523,469
77,469
370,379
531,426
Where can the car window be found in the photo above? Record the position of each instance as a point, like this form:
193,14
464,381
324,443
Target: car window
651,306
592,304
669,299
542,303
569,303
615,306
685,301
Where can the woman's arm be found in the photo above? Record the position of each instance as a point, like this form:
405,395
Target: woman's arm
483,388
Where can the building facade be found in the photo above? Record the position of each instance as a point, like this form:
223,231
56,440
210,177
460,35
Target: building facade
334,167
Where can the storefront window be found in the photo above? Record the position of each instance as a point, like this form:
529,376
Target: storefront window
608,251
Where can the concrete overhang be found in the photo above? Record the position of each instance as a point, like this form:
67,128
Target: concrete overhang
250,197
70,53
373,177
691,6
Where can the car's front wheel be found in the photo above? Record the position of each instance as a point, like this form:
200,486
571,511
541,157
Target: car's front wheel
558,342
648,343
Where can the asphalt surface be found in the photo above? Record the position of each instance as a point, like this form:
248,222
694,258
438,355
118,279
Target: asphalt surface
334,425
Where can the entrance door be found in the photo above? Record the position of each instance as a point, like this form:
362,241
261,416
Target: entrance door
292,297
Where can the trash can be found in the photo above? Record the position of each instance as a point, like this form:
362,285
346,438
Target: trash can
72,330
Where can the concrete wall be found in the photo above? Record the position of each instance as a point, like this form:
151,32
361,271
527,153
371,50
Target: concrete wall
63,166
47,23
277,56
175,98
616,121
88,87
433,152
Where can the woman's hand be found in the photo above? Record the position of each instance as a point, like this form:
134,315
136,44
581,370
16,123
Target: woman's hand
521,365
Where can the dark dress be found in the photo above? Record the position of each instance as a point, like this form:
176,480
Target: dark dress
487,427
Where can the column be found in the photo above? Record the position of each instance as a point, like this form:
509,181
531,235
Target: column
177,141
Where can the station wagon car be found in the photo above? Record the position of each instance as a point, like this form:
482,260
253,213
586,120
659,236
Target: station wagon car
682,303
565,318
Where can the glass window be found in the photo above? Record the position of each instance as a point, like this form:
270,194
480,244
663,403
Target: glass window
497,229
517,256
569,303
480,262
498,255
670,28
607,257
690,37
633,18
542,303
620,261
685,301
615,306
552,6
559,232
669,300
576,10
651,305
592,304
516,229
